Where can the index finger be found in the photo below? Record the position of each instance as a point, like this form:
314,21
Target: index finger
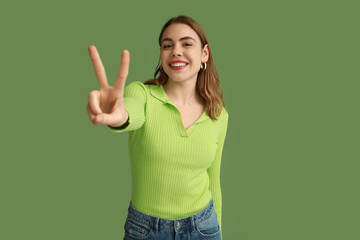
123,71
98,66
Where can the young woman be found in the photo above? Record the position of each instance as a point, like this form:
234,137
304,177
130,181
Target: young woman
177,124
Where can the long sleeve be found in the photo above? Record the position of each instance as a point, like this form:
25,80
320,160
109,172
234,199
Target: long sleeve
214,170
135,103
171,178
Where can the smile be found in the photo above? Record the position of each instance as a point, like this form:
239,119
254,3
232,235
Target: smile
178,65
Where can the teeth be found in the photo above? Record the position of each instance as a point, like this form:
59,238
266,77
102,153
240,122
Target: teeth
178,64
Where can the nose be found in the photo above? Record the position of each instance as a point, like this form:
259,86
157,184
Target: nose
176,51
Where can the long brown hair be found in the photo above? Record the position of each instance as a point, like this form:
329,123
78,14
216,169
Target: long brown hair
208,84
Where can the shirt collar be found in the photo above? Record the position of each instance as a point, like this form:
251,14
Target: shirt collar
159,93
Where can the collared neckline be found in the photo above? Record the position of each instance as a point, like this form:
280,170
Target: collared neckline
159,93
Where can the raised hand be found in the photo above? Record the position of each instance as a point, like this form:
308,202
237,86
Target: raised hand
106,106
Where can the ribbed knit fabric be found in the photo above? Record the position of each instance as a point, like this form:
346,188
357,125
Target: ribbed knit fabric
175,172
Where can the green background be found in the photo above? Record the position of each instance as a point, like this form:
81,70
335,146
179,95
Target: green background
290,75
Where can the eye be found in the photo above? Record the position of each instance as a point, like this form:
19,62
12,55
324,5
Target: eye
166,46
187,44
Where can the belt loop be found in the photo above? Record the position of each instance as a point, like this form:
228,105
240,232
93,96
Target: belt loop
192,224
156,225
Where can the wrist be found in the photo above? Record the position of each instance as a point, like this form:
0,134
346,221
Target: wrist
123,123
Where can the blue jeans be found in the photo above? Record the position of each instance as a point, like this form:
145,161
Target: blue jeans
202,225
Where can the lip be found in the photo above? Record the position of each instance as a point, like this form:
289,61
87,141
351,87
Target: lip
178,67
177,61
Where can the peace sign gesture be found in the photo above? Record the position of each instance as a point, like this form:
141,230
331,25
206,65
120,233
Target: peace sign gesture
106,106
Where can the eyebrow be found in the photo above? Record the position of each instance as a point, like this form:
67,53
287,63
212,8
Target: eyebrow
183,38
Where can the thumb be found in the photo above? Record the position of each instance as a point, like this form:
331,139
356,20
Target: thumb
116,118
107,119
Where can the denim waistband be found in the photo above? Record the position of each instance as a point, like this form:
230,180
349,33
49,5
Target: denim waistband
157,223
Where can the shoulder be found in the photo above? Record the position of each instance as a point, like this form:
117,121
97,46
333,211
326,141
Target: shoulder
221,124
224,119
136,85
140,86
136,88
224,115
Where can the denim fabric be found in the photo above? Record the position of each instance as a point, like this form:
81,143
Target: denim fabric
202,225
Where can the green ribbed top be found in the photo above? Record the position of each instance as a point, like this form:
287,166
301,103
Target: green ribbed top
174,171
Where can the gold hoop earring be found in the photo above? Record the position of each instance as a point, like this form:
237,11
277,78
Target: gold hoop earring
203,67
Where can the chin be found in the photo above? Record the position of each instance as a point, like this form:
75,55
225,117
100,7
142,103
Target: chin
178,80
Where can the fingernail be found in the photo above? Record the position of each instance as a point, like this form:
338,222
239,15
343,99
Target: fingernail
99,119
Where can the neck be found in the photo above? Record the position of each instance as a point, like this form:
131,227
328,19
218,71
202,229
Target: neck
184,93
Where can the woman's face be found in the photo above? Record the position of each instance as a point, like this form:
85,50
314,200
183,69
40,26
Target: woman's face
181,53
